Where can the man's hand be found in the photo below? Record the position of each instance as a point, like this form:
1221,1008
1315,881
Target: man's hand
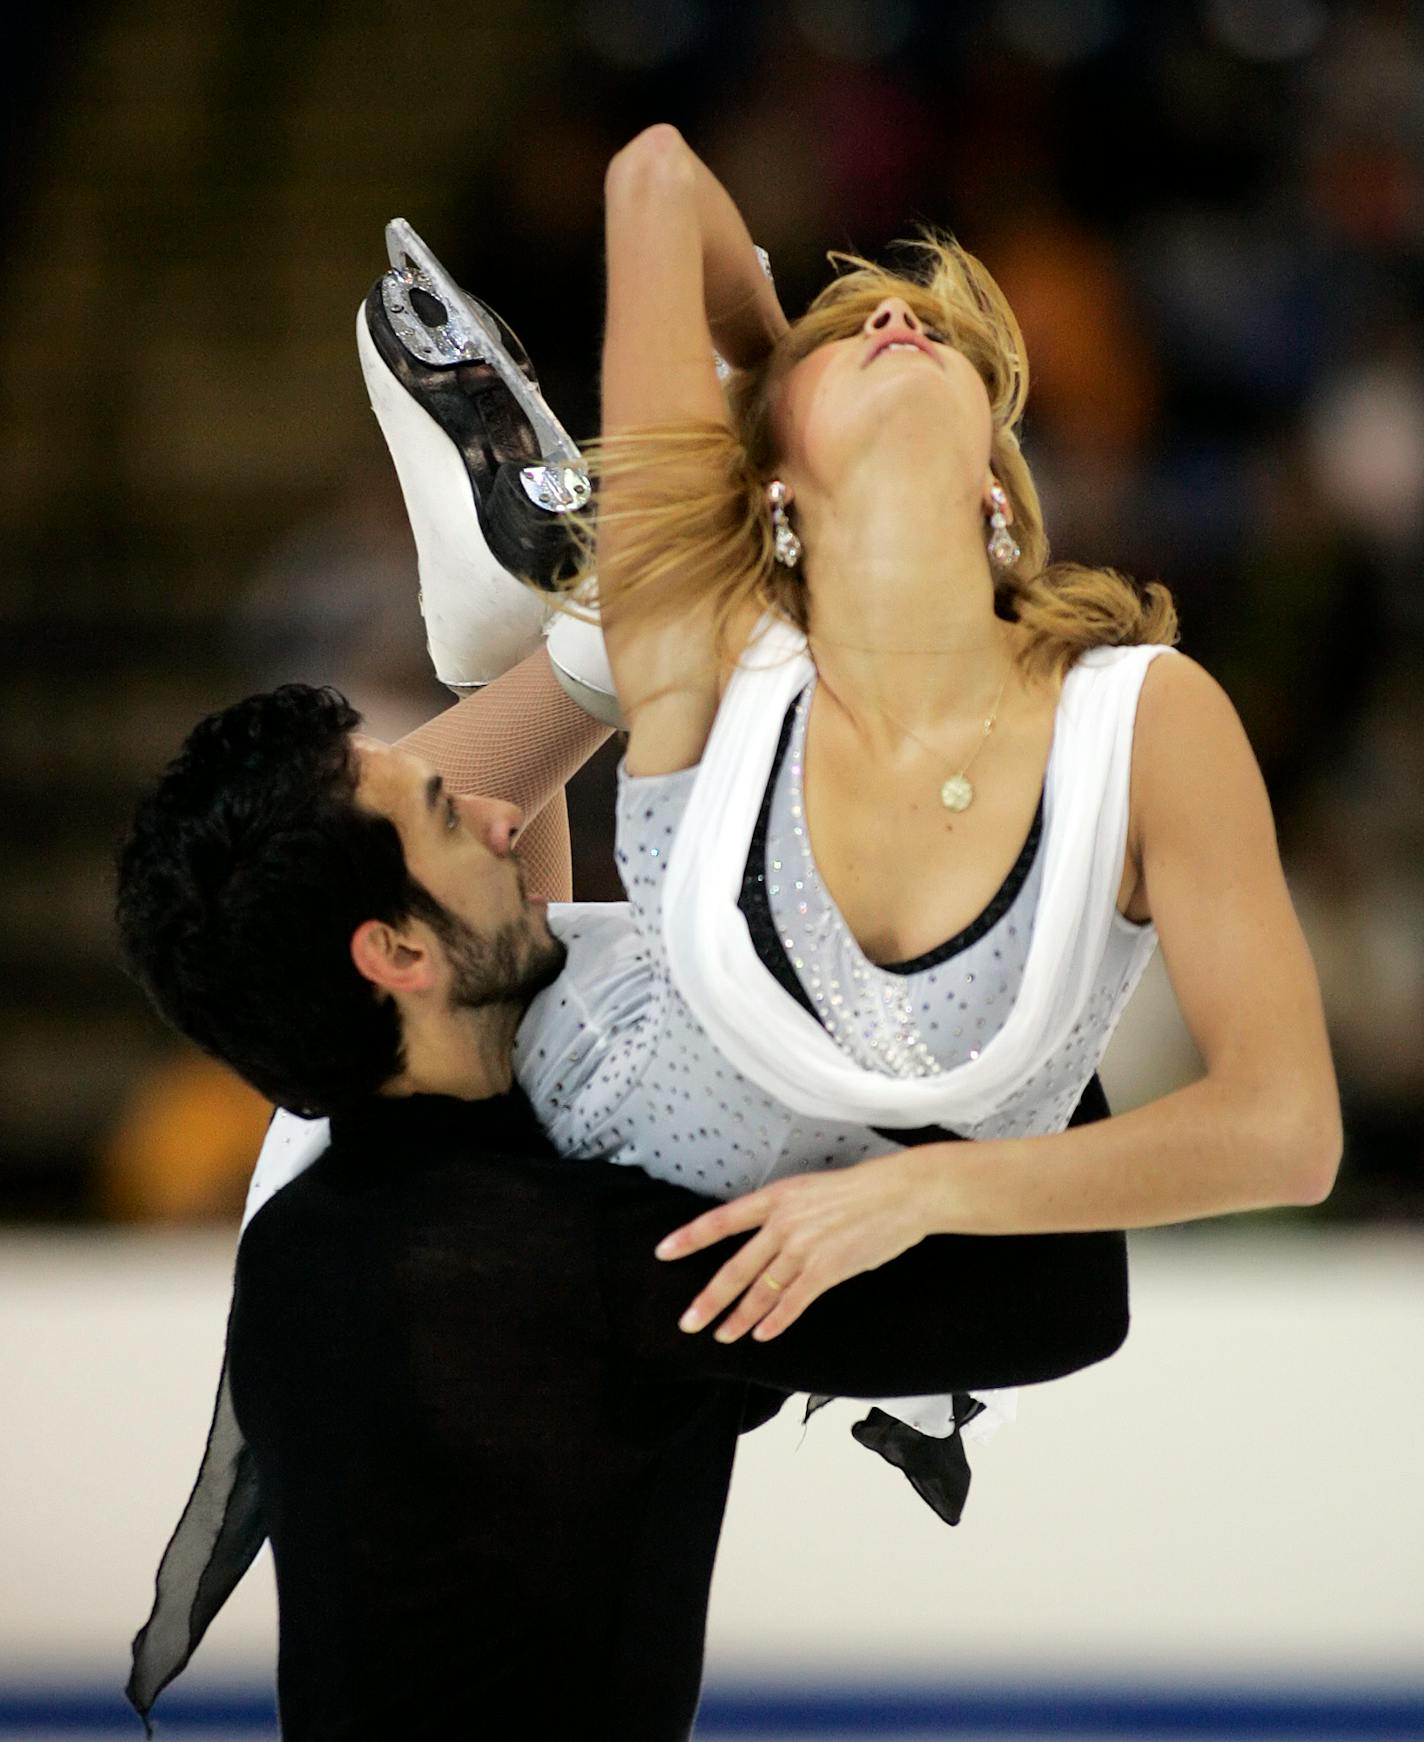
814,1230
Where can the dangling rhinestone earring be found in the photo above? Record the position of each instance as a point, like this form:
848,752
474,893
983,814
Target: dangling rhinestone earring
1003,546
787,545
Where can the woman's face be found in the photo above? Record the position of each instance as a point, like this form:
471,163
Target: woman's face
895,385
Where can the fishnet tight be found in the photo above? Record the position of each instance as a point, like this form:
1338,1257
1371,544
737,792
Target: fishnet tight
521,739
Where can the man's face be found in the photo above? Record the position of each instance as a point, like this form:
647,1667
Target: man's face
496,941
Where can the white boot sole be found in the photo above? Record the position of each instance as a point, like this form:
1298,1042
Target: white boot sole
479,619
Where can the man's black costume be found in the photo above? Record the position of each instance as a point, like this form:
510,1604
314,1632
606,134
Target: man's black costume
492,1469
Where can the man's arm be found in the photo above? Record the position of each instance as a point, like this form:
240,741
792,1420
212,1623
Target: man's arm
956,1313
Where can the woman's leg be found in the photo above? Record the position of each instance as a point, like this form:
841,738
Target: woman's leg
520,738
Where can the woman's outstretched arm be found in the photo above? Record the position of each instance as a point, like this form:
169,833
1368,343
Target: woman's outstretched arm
521,739
1261,1128
683,278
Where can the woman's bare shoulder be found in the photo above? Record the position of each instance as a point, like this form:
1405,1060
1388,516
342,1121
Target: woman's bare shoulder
1191,758
1178,695
1192,762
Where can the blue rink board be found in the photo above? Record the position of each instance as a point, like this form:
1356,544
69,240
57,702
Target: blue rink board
845,1714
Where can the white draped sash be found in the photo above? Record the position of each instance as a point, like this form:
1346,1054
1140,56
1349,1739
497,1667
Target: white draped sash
762,1030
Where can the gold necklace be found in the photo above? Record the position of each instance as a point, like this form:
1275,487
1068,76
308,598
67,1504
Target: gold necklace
957,793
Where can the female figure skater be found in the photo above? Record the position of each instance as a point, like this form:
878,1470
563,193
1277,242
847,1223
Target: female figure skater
973,796
905,809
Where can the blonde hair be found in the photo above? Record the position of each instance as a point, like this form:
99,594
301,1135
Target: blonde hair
692,520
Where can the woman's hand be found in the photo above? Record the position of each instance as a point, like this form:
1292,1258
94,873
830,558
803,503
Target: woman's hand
815,1230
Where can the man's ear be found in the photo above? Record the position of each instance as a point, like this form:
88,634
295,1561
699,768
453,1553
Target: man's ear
396,961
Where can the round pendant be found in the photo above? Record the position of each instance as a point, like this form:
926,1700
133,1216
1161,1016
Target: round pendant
956,794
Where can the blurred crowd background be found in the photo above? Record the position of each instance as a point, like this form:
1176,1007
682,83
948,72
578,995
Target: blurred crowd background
1208,215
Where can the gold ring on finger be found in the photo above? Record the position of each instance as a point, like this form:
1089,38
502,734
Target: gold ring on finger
772,1283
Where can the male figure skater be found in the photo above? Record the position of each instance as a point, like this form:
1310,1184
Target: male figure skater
492,1469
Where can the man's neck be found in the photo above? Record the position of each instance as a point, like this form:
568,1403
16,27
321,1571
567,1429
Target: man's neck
469,1055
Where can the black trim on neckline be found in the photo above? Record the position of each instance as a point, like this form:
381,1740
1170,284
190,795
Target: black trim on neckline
998,906
755,904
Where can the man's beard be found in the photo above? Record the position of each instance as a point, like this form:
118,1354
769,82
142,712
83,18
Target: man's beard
506,966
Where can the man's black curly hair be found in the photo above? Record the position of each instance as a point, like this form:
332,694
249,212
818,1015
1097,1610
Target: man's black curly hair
244,874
